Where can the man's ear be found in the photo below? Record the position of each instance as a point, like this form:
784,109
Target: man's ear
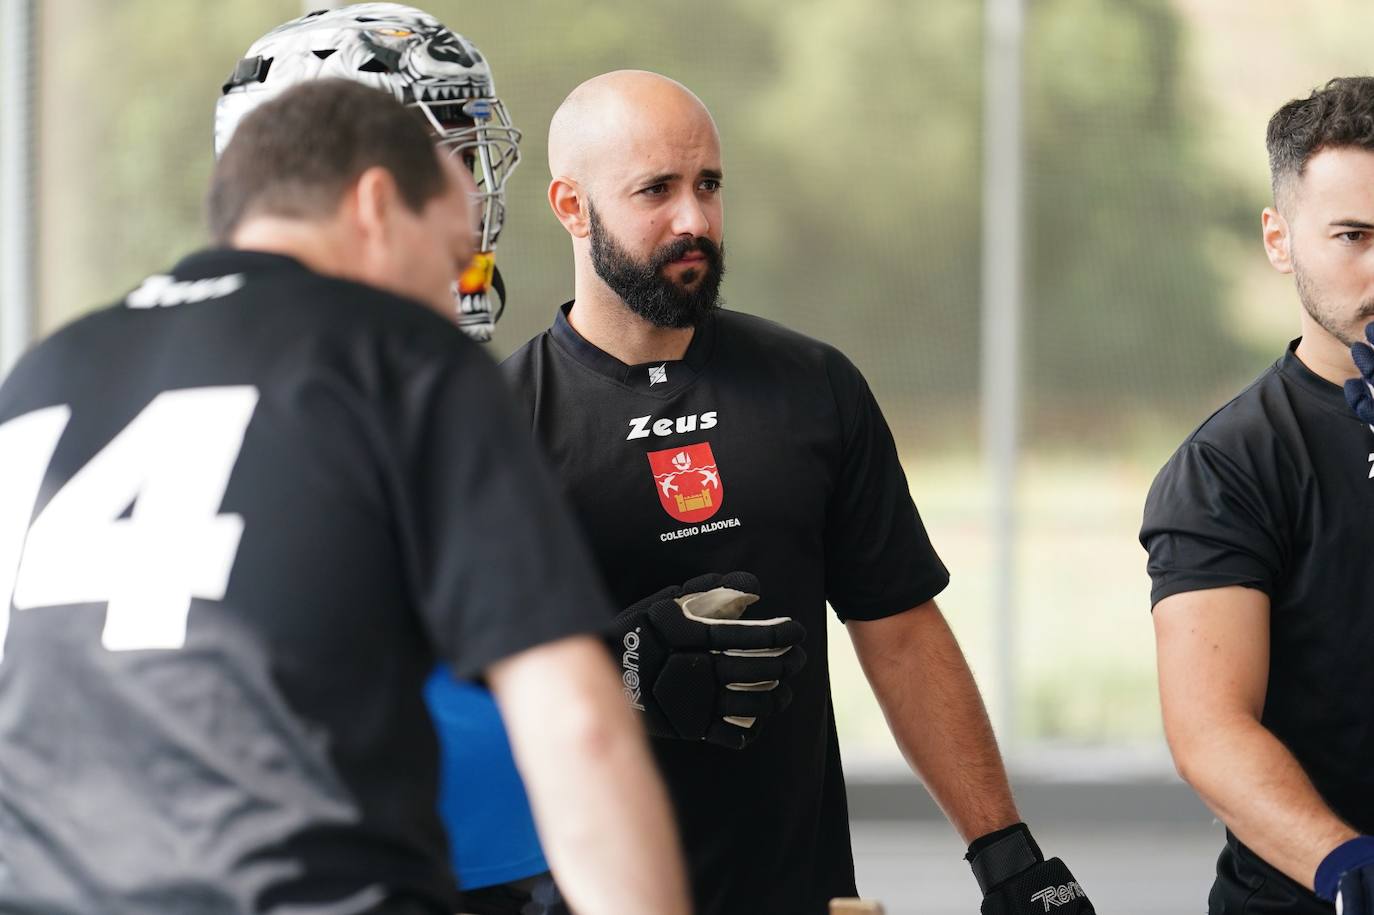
374,197
569,205
1278,242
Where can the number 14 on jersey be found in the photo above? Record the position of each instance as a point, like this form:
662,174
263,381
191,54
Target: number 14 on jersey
137,528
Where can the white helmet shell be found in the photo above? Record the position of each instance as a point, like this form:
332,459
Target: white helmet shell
424,65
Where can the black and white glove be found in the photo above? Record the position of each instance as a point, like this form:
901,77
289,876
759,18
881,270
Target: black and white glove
1017,880
696,671
1346,877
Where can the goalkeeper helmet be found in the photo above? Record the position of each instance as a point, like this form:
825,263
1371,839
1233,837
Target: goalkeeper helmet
430,69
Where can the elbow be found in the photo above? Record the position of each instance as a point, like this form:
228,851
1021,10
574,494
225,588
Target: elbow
1184,764
1188,742
586,731
595,728
1203,750
563,702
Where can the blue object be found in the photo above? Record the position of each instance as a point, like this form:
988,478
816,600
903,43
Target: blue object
1357,390
481,798
1353,855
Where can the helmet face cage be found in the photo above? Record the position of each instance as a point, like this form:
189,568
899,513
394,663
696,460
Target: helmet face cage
487,144
424,65
478,131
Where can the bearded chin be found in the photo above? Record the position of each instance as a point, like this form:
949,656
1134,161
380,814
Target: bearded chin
1326,317
644,287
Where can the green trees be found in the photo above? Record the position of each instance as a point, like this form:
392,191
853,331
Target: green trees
1127,291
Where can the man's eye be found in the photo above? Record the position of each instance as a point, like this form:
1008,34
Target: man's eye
711,185
1353,237
655,190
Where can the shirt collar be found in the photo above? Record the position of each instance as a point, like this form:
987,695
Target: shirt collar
656,378
219,261
1330,395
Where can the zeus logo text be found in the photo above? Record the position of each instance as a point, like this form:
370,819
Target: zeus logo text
644,426
1059,895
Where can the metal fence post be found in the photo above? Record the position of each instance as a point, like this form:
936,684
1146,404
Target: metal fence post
18,291
1002,293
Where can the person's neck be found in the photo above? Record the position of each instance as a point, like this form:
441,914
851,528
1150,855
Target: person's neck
603,320
314,244
1324,355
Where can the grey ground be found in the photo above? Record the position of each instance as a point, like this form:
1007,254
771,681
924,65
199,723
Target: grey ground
914,868
1139,846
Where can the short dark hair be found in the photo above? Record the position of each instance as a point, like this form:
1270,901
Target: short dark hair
1341,113
295,155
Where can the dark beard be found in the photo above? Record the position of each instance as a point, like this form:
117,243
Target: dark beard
644,288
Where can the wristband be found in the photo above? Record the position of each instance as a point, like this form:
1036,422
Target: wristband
1344,857
1001,855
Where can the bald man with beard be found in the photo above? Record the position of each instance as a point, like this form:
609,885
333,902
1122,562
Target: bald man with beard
693,440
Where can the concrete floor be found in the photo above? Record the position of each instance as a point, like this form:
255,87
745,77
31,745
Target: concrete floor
916,867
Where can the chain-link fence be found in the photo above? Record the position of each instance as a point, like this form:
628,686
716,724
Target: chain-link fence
854,150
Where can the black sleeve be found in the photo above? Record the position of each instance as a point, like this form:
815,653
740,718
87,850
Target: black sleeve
497,564
879,559
1208,525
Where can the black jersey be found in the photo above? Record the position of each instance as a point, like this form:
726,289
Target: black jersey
1273,492
759,450
263,503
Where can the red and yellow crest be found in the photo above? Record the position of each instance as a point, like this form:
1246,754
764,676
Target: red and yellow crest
688,482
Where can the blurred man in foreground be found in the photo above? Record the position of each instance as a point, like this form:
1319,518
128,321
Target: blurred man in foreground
448,83
1258,535
694,440
245,510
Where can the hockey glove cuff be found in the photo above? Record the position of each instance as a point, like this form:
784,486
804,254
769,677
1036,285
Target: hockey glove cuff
1017,880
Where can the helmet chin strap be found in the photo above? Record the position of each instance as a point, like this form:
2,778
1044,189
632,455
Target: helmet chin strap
498,286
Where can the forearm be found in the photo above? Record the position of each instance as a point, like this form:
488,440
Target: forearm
1213,648
932,705
1250,780
602,812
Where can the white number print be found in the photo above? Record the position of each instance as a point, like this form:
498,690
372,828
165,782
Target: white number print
138,528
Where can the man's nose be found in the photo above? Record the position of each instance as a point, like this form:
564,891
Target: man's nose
689,217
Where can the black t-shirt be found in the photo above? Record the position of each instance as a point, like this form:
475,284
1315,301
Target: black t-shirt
765,451
1272,492
273,500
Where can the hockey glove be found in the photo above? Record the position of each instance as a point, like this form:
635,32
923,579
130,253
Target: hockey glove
1359,392
698,672
1017,880
1346,877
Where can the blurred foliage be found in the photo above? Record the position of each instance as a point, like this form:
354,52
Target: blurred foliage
852,132
125,119
852,139
1127,300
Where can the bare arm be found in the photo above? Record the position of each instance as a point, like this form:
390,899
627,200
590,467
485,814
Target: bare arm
601,809
933,707
1213,649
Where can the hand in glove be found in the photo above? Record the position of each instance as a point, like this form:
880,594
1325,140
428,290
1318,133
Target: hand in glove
1359,392
698,672
1017,880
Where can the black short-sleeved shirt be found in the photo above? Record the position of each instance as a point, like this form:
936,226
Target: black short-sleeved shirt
264,502
765,451
1274,492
